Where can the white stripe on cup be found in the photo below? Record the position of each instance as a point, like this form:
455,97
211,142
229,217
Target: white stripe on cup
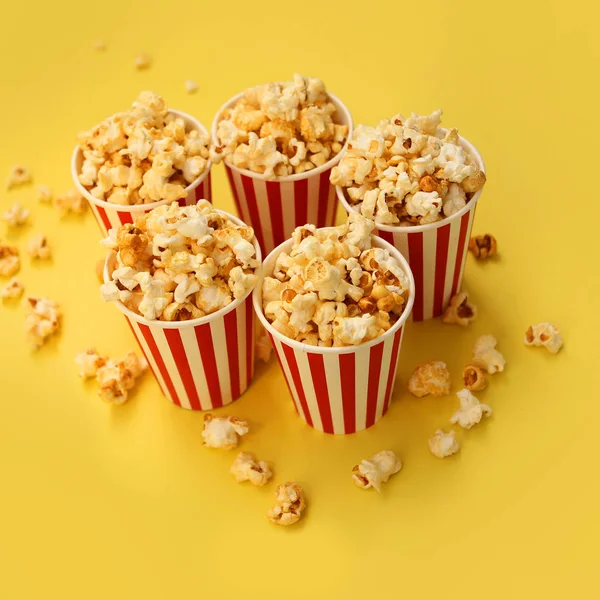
237,180
334,388
165,352
332,203
192,351
401,242
385,369
288,207
240,314
362,365
288,376
451,263
142,342
217,330
466,248
309,388
262,203
313,199
429,255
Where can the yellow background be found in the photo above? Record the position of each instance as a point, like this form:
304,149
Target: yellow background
124,502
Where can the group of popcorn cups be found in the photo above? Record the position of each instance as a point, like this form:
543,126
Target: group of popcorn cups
208,362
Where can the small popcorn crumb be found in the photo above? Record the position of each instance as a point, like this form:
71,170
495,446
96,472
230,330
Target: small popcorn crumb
474,378
70,201
13,289
246,468
443,444
117,378
431,378
38,247
471,411
19,175
486,356
10,263
142,61
262,346
483,246
15,216
191,87
223,432
289,505
44,194
546,335
99,46
43,319
460,311
376,470
89,362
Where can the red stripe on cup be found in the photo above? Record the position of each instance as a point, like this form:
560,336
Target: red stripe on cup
280,361
375,359
324,186
125,217
250,325
388,236
207,353
348,382
441,259
275,211
464,225
295,373
301,201
232,351
236,199
104,218
317,369
415,252
181,362
248,186
392,371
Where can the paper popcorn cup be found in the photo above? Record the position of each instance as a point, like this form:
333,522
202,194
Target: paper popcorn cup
339,390
109,215
201,364
276,207
436,252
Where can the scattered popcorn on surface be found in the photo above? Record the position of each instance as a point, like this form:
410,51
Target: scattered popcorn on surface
471,411
19,175
15,216
460,311
546,335
289,504
116,378
430,378
483,246
191,87
70,201
474,378
142,155
89,362
262,347
142,61
443,444
486,356
13,289
246,468
407,171
44,194
333,288
38,247
99,46
180,263
376,470
10,263
42,320
280,129
223,432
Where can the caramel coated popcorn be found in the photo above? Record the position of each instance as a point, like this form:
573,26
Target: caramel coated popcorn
38,247
42,320
246,468
89,362
142,155
280,129
289,504
10,263
407,171
13,289
471,411
70,202
142,61
483,246
486,356
15,216
474,378
376,470
430,378
333,288
19,175
443,444
191,87
546,335
180,263
460,310
223,432
44,194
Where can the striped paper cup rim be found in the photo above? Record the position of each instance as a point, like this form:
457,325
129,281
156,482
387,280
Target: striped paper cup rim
347,120
339,190
267,269
109,262
77,160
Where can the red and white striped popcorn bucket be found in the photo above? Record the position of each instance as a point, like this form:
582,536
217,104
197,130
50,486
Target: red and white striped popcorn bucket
109,215
339,390
201,364
276,207
436,252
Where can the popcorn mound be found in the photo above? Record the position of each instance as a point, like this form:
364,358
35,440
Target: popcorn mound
333,288
407,171
180,263
280,129
142,155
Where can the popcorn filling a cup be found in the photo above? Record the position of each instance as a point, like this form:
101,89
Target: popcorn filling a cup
279,142
334,302
139,159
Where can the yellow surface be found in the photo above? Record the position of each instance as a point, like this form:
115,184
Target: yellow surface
124,502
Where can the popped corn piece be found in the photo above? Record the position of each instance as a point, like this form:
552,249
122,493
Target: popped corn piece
474,378
240,282
351,331
289,504
38,247
483,246
426,205
443,444
44,194
471,411
99,46
19,175
262,346
15,216
181,312
42,320
191,87
474,182
89,362
223,432
455,200
10,263
486,356
246,468
13,289
70,201
460,311
546,335
376,470
142,61
116,378
431,378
